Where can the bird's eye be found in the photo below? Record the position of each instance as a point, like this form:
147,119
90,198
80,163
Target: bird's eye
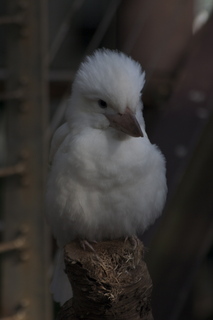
102,104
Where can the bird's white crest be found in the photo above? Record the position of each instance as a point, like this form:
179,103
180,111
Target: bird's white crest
126,79
107,180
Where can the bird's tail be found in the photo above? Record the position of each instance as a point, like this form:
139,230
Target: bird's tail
60,286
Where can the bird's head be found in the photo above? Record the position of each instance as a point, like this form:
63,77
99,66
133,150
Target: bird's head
107,92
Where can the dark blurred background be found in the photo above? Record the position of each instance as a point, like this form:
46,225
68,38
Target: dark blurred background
41,46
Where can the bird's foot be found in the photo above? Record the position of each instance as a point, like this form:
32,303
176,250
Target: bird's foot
87,245
133,240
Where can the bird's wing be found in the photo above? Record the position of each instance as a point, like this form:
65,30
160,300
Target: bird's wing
58,139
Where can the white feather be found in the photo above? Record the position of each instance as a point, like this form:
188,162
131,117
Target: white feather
60,287
103,183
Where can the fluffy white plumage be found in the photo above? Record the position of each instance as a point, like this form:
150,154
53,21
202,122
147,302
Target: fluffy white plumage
107,180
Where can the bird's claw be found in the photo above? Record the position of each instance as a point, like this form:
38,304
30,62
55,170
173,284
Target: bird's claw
86,245
133,240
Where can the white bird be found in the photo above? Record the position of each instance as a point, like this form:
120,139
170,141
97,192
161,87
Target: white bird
107,180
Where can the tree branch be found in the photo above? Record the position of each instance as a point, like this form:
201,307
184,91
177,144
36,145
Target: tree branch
110,283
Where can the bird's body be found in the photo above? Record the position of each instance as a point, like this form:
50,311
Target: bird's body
107,180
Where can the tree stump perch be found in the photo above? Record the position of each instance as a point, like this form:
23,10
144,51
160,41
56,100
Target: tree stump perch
111,283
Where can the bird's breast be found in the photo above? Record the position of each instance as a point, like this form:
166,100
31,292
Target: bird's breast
96,159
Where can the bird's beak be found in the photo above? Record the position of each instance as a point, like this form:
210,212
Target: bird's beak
126,123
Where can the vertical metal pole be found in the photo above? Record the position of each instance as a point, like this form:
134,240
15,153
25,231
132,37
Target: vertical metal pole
25,271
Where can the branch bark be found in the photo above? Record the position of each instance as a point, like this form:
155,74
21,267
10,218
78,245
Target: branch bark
110,283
